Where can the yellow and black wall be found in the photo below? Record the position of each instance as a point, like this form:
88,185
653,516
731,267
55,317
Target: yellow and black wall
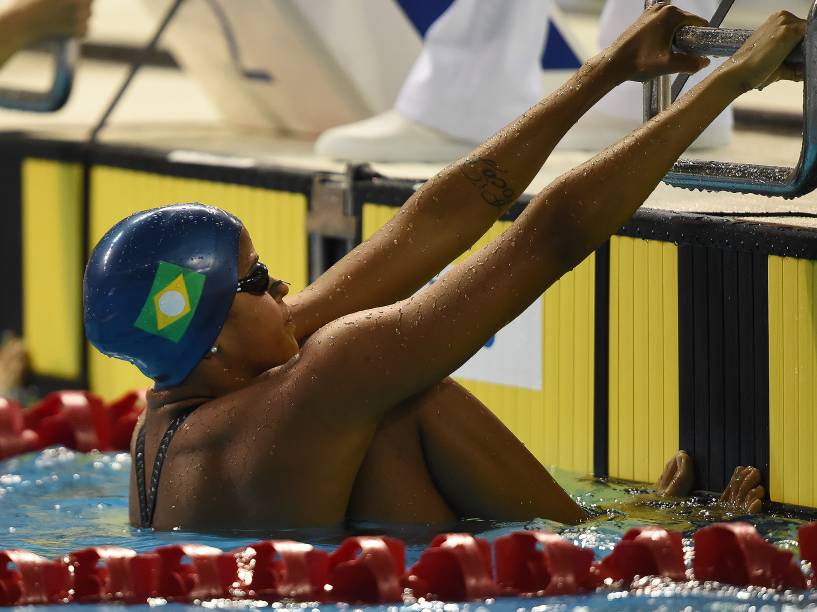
683,331
719,366
41,238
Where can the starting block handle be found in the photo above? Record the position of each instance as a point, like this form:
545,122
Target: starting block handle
720,42
65,53
785,182
732,177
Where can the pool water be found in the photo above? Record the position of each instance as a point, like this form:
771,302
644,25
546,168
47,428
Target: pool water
57,501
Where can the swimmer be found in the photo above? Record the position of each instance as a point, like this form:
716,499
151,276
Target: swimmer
26,22
334,404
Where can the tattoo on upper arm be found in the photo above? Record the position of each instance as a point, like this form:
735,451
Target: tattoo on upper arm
489,179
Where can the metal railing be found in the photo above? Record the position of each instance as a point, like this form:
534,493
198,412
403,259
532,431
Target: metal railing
786,182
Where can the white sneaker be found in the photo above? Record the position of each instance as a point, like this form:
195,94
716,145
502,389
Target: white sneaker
389,137
596,131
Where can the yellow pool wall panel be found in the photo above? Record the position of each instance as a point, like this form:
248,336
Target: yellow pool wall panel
556,423
276,221
792,380
643,396
52,230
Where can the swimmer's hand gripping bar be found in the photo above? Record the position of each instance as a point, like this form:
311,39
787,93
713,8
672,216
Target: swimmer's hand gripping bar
65,54
736,177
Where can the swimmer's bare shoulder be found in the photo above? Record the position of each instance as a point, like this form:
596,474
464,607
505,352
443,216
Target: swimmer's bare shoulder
252,449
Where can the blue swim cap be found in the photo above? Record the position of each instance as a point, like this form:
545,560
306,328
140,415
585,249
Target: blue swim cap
158,288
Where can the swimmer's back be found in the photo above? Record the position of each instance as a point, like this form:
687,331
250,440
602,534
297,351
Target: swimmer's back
261,456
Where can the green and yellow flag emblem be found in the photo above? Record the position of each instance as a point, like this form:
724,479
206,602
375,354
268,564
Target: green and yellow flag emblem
172,302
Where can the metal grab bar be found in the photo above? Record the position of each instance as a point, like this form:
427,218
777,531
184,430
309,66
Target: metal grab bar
720,42
65,53
778,181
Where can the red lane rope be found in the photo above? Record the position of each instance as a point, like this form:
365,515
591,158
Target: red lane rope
363,569
371,569
79,420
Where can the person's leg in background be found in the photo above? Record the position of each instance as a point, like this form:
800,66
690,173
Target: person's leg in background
479,68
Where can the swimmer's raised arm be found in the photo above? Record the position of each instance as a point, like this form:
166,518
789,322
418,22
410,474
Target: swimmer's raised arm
387,354
452,210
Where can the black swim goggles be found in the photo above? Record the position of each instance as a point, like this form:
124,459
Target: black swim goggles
257,282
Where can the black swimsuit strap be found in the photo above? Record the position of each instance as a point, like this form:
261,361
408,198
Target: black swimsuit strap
139,459
147,497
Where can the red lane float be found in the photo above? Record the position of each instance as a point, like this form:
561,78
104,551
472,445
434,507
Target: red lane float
122,415
26,578
282,569
456,567
194,571
541,563
15,439
76,419
369,570
735,553
112,573
807,536
645,551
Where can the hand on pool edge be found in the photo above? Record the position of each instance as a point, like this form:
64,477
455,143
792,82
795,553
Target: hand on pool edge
676,479
744,493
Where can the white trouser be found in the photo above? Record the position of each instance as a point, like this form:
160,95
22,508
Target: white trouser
479,67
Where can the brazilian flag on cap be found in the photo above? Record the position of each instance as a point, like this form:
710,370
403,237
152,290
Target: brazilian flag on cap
172,302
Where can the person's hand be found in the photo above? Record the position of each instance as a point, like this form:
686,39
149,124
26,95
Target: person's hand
644,51
46,19
13,363
759,62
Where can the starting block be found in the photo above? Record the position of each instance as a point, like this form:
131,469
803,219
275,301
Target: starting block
64,53
786,182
